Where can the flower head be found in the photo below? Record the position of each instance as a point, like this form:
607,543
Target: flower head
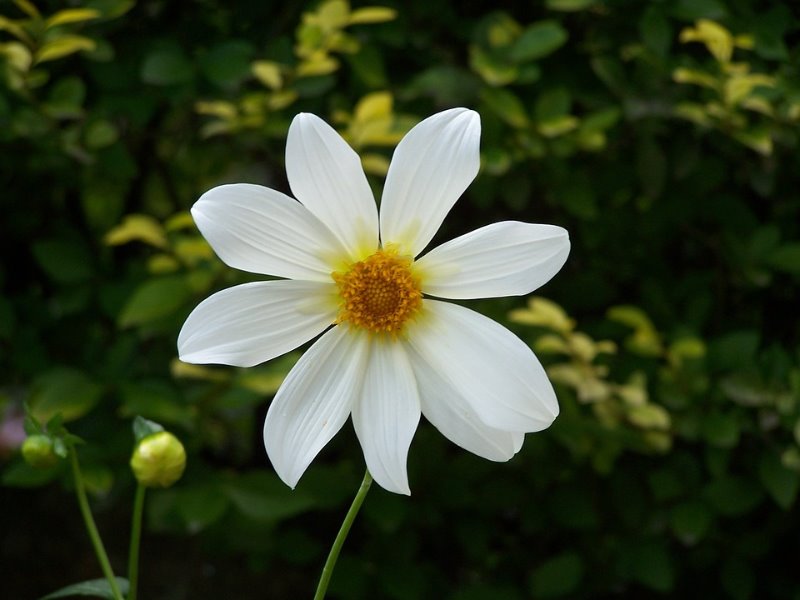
158,460
388,352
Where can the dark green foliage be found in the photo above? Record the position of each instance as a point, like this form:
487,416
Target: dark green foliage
674,467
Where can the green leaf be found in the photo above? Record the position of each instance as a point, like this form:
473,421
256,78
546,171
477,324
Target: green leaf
732,496
227,64
65,261
96,588
690,521
154,299
721,430
652,567
655,30
167,65
786,258
63,390
263,497
143,427
552,104
651,167
66,97
99,134
559,576
570,5
538,40
505,105
735,350
692,10
781,483
21,475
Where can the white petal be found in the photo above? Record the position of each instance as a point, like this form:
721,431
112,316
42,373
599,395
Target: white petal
252,323
502,259
325,174
447,410
387,414
431,167
314,401
256,229
518,438
495,372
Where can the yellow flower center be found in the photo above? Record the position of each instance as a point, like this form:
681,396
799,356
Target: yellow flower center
380,293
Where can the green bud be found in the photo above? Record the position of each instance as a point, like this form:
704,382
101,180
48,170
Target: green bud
38,451
158,460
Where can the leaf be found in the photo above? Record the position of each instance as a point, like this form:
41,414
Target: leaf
154,299
142,228
538,40
66,98
263,497
96,588
167,66
371,14
100,133
655,30
29,9
64,261
649,416
721,430
691,10
732,496
786,258
690,521
553,103
570,5
558,576
268,73
63,390
781,483
227,64
506,105
63,46
143,427
71,15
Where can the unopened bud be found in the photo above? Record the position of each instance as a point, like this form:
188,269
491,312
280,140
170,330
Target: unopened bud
38,451
158,460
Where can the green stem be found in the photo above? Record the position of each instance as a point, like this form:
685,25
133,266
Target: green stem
327,570
136,536
91,528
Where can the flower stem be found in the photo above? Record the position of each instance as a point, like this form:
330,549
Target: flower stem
327,570
136,536
91,527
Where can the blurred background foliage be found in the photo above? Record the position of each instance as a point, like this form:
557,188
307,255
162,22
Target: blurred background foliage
663,135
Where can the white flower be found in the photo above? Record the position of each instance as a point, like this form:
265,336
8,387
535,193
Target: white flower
393,353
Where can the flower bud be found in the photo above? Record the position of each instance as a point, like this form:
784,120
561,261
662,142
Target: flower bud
158,460
38,451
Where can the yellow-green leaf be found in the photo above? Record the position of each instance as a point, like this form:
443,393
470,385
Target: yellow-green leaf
28,8
543,313
716,38
71,15
142,228
372,14
268,73
17,55
64,46
377,105
375,164
649,416
321,65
